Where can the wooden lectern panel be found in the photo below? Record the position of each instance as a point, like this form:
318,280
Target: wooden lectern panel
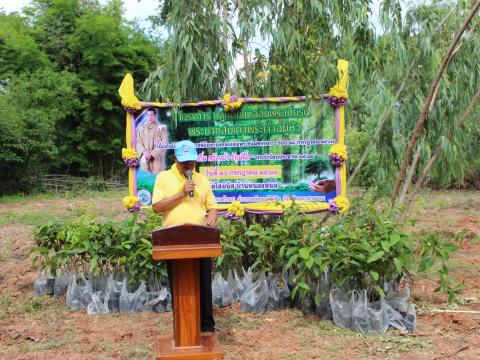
186,234
173,252
184,245
186,241
210,349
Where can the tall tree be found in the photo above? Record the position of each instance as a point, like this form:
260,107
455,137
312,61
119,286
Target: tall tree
98,45
196,65
433,89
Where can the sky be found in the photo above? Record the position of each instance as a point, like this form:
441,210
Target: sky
134,9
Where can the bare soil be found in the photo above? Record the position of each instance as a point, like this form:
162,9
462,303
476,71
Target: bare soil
43,328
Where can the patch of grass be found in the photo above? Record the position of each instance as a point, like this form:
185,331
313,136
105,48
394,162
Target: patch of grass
11,307
25,198
36,304
474,240
328,328
6,250
142,351
460,265
390,343
26,217
291,357
50,343
234,321
6,304
93,204
423,307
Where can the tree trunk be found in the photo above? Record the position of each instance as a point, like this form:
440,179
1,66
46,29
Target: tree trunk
411,172
423,115
246,63
228,84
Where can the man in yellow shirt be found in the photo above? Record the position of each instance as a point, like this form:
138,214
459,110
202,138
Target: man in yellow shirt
172,197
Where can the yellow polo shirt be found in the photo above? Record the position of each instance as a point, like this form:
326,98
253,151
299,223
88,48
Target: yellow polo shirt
190,209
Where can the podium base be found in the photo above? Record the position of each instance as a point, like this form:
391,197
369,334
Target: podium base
209,349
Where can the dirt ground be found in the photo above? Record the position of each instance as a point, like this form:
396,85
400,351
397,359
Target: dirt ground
42,327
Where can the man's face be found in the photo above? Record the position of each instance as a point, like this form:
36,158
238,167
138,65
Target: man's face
186,165
151,117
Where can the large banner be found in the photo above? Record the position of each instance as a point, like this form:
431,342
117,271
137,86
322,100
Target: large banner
261,152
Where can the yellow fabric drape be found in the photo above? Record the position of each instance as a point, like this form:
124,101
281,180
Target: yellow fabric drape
340,88
127,93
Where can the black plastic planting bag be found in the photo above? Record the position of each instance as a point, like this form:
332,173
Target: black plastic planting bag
44,283
322,298
159,301
278,292
61,284
283,291
273,293
125,300
113,289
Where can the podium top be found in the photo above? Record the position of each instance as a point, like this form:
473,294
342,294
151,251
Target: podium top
186,234
186,241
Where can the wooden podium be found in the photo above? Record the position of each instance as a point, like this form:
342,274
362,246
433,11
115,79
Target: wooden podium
184,245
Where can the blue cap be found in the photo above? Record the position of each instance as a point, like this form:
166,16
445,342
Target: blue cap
185,150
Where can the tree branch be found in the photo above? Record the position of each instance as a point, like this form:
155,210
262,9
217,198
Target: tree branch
423,115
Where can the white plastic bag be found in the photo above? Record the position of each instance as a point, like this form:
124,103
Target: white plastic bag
98,305
221,292
351,310
255,297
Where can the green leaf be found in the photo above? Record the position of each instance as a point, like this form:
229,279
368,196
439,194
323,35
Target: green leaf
146,242
375,275
379,290
291,251
303,285
394,238
309,262
451,297
426,263
398,265
294,292
450,248
41,250
385,245
378,255
93,264
304,253
291,261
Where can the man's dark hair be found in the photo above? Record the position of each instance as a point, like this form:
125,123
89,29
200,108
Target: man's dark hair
151,109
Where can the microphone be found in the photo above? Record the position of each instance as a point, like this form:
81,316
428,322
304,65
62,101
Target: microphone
188,174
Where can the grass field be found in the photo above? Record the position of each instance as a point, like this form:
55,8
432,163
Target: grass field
43,328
